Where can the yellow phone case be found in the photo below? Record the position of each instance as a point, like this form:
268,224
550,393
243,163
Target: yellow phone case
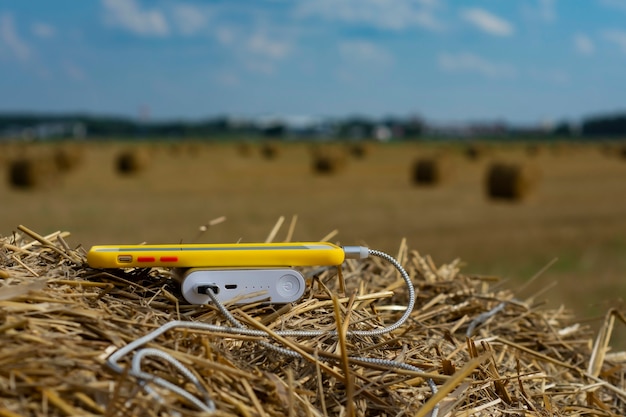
216,255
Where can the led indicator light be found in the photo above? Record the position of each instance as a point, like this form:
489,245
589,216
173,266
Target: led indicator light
145,259
169,258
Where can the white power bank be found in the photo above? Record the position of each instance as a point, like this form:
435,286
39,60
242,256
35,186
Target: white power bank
271,285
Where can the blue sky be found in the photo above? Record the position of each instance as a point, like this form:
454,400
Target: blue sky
524,61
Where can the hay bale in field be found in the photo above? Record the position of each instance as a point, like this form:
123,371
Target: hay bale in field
194,148
325,165
132,161
6,152
432,170
68,157
475,151
359,150
175,148
509,181
562,148
612,149
270,150
32,172
328,160
244,148
488,351
534,149
606,149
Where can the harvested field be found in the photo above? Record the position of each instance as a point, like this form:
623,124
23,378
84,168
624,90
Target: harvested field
576,217
488,350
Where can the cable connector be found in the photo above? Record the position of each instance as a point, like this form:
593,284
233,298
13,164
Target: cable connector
204,289
356,252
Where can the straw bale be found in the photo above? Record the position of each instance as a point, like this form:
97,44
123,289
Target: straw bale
611,149
195,148
29,172
562,148
510,181
132,161
359,150
432,170
534,149
328,160
489,352
244,148
270,150
475,151
175,148
68,157
5,152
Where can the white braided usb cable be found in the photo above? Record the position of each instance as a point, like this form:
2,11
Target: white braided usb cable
207,404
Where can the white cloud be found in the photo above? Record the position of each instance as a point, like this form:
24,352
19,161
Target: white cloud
189,19
361,59
552,76
469,62
43,30
547,10
10,40
128,15
227,79
259,66
617,37
583,44
258,49
543,10
364,52
259,43
381,14
225,35
488,22
74,72
614,4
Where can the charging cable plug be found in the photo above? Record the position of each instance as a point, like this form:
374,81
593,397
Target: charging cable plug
204,289
356,252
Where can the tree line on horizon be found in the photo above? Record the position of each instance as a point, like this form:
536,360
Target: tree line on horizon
59,126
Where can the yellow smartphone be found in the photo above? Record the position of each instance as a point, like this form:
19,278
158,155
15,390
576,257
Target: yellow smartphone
235,255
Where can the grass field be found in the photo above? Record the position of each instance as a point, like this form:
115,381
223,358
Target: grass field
576,215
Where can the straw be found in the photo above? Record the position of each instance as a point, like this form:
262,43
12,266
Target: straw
60,319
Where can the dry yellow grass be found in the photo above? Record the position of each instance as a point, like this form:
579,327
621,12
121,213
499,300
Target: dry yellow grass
489,351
